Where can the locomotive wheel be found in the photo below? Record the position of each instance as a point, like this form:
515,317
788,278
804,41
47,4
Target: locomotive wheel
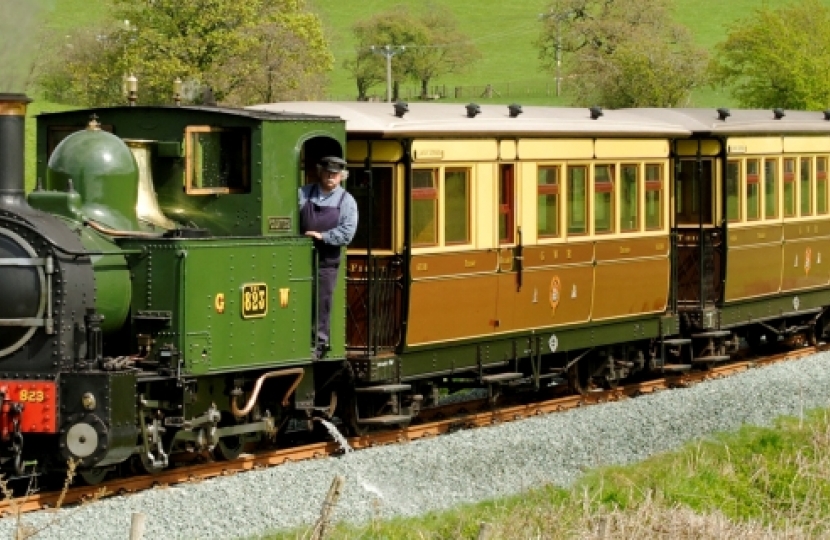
93,476
228,448
578,379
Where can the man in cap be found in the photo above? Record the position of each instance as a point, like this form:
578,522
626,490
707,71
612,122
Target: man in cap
328,215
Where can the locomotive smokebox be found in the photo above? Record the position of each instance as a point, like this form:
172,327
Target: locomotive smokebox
12,142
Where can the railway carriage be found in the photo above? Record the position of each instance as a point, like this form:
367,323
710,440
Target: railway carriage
159,294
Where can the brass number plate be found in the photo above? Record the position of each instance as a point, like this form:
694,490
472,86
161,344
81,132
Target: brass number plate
254,300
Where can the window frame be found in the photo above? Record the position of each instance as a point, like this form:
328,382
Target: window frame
438,194
189,158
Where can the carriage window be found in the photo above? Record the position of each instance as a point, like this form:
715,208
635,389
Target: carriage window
771,188
789,187
603,198
456,206
821,185
577,200
733,191
216,160
424,207
654,196
806,186
753,189
547,202
375,200
694,192
629,198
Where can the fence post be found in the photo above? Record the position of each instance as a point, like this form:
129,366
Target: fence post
328,506
137,526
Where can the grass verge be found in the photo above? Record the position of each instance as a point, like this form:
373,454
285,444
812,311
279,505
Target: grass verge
755,483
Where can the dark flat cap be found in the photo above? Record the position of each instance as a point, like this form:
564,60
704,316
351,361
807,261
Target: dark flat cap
333,164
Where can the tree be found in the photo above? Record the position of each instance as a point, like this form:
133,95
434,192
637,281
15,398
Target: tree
251,50
447,49
621,53
396,27
434,47
778,58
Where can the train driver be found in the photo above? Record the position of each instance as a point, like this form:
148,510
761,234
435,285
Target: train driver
328,215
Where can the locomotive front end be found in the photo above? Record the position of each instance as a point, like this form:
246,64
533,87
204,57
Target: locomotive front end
52,394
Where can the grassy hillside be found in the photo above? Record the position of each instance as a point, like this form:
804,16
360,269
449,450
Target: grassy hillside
503,31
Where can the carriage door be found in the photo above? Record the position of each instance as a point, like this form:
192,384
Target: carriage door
699,238
374,270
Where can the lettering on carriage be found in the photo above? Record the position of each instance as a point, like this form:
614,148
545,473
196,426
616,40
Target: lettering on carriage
430,153
422,267
506,260
762,235
660,246
469,264
624,250
541,255
568,253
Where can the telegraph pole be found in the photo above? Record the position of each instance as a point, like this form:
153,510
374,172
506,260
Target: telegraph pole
388,51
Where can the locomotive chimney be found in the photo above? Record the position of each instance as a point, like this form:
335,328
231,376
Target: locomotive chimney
12,137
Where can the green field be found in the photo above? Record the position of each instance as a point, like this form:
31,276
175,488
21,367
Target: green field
503,31
755,483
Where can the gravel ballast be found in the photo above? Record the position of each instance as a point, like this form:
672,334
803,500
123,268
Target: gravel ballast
445,471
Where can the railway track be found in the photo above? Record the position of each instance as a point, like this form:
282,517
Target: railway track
434,422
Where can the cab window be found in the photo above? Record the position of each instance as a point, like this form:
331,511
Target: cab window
216,160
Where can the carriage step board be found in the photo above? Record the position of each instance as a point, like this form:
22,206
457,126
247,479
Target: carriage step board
501,377
710,359
712,333
676,341
386,420
676,368
384,389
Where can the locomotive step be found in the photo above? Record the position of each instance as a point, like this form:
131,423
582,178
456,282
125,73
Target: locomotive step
712,333
710,359
385,420
676,341
383,389
676,368
501,377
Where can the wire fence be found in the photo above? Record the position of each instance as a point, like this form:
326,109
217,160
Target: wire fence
519,89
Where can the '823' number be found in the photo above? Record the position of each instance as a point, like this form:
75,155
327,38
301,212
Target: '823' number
32,396
254,300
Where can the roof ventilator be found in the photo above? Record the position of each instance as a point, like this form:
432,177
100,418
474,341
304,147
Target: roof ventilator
472,110
515,110
596,112
723,114
779,113
401,108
